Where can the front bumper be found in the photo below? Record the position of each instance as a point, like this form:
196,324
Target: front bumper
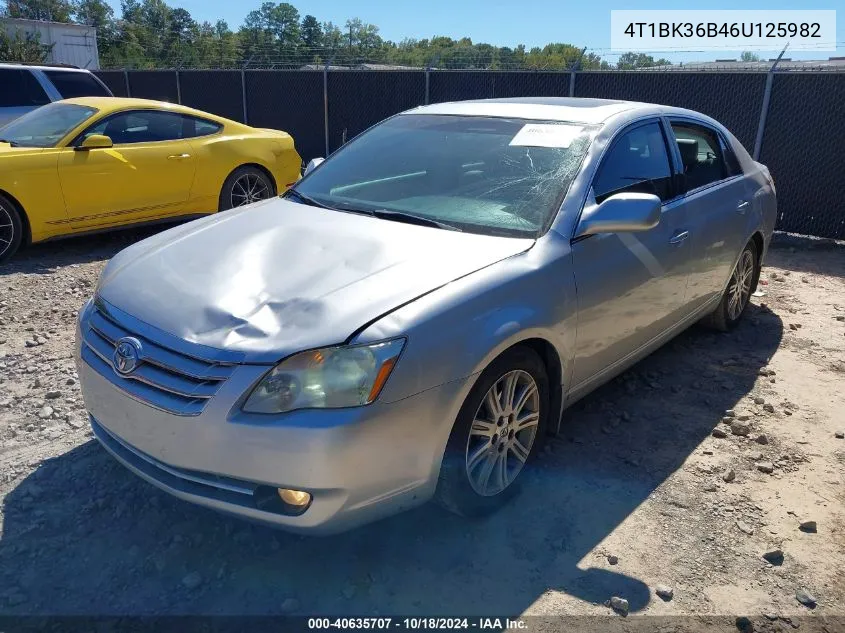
359,464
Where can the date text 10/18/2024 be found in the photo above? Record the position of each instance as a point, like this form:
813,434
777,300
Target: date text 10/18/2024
419,623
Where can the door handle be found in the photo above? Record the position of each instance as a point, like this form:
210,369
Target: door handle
742,207
178,156
680,237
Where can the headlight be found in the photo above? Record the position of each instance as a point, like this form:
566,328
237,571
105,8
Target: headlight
327,378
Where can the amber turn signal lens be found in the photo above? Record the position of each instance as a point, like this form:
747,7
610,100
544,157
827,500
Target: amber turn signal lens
381,377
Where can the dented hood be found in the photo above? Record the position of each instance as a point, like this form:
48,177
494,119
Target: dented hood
280,277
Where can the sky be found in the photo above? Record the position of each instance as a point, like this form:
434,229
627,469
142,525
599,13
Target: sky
503,23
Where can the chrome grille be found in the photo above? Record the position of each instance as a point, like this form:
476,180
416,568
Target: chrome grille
164,378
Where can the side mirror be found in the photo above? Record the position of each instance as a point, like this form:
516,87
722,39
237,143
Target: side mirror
312,165
95,141
622,212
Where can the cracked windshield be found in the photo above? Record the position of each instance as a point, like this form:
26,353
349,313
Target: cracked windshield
481,175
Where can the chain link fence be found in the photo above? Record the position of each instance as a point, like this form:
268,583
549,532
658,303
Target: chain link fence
290,100
358,99
802,146
791,119
217,91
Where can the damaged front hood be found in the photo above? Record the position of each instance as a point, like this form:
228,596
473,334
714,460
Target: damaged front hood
280,277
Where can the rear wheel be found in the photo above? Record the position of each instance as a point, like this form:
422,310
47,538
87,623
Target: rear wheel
499,430
11,229
245,185
738,293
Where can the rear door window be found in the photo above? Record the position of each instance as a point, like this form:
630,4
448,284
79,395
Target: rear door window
18,87
193,127
701,154
637,162
731,161
76,84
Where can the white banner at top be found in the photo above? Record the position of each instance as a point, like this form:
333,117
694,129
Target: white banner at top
682,30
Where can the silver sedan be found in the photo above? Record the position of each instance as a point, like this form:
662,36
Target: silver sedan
409,321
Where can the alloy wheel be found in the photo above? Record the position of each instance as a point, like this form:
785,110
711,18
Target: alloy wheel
7,229
249,188
503,431
739,289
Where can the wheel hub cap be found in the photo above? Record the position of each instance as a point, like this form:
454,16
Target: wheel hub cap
247,189
739,289
7,230
503,431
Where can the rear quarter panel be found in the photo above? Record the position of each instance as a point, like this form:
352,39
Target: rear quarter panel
760,190
219,155
764,203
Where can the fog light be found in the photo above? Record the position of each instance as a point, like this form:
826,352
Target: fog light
296,498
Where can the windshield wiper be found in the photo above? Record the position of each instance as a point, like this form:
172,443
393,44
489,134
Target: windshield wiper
12,143
410,218
307,199
385,214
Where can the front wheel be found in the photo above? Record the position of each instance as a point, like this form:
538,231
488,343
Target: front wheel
738,293
11,229
499,430
245,185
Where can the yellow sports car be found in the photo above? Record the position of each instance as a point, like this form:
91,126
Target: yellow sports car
95,163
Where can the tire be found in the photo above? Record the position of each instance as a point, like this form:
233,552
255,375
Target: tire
11,229
462,494
245,185
728,313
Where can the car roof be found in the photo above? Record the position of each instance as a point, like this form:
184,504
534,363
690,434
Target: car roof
571,109
62,67
114,104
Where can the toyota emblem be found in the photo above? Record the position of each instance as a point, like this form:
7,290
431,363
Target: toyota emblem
127,355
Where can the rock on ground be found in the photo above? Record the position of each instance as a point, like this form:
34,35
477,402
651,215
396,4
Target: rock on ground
620,605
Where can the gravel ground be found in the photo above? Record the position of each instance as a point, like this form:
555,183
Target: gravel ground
687,477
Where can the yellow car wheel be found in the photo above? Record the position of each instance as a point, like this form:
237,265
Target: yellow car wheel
246,185
11,229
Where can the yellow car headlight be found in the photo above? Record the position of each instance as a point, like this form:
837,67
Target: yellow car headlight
328,378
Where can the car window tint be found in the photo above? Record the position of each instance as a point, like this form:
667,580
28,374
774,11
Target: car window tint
76,84
701,154
637,162
731,162
19,87
200,127
140,126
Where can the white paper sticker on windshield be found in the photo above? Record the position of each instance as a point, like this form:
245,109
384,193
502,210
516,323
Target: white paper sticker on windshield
546,135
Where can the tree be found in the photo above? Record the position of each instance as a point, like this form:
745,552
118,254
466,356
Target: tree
332,39
632,61
270,33
180,42
53,10
153,34
227,45
311,33
748,56
561,56
22,47
131,10
363,39
96,13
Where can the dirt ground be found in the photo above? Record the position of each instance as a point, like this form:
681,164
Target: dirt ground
683,472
